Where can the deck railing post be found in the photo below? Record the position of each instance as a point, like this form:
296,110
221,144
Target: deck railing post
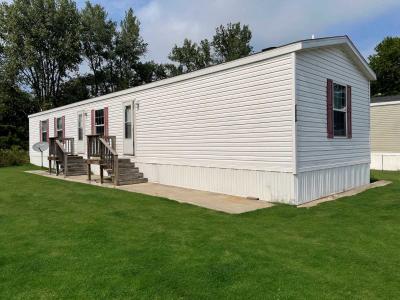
116,170
65,165
88,147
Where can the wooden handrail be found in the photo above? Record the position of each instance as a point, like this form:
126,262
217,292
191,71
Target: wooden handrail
66,144
103,148
52,146
108,146
110,157
64,148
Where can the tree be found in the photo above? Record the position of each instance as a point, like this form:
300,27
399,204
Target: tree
386,64
229,43
232,42
97,38
15,106
191,56
150,71
41,45
130,46
75,89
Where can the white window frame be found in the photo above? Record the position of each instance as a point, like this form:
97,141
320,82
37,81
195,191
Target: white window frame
99,125
44,129
127,151
130,122
81,125
340,110
59,129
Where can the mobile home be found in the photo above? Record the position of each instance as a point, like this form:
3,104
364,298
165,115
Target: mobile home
289,124
385,133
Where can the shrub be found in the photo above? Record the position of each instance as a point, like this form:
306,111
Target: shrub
13,157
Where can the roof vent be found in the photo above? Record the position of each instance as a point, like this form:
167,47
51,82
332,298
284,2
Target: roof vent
267,49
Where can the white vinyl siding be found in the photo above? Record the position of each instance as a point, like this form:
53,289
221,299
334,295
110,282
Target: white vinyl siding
236,118
315,184
314,150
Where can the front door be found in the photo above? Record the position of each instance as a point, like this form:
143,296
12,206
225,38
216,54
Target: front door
80,142
129,134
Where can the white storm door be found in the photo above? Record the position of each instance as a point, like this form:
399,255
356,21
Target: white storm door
80,134
129,133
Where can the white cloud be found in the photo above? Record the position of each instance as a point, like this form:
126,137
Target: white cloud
165,23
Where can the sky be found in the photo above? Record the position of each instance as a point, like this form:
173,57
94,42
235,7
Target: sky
165,23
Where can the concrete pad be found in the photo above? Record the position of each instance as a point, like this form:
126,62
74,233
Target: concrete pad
351,192
215,201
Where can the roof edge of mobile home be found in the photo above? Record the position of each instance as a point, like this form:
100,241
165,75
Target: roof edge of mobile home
263,55
385,100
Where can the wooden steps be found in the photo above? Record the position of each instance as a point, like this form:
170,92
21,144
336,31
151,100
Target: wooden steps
76,165
128,173
101,150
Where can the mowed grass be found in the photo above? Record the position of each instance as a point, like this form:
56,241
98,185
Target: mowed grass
68,240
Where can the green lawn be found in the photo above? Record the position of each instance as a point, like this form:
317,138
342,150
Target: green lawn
68,240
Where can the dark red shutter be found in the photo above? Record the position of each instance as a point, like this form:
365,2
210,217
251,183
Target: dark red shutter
47,131
329,108
92,121
40,131
63,127
55,127
106,121
349,113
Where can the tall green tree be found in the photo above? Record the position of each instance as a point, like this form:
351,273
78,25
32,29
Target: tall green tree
150,71
191,57
41,45
129,48
15,106
386,64
75,89
97,39
232,42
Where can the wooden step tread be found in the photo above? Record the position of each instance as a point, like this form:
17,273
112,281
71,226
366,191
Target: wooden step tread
133,181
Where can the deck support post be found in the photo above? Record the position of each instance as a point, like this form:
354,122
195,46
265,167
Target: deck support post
101,174
89,172
50,166
65,165
116,170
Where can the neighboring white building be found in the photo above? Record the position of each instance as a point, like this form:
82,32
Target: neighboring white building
290,124
385,133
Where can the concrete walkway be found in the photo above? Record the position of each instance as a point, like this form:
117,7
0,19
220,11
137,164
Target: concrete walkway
219,202
348,193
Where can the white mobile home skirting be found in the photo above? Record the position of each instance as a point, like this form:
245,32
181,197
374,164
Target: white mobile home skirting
265,185
316,184
385,161
282,187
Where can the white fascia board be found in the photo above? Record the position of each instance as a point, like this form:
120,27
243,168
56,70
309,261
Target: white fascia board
385,103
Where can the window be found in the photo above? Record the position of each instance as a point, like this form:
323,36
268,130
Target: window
80,127
44,127
339,110
99,121
59,128
128,122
